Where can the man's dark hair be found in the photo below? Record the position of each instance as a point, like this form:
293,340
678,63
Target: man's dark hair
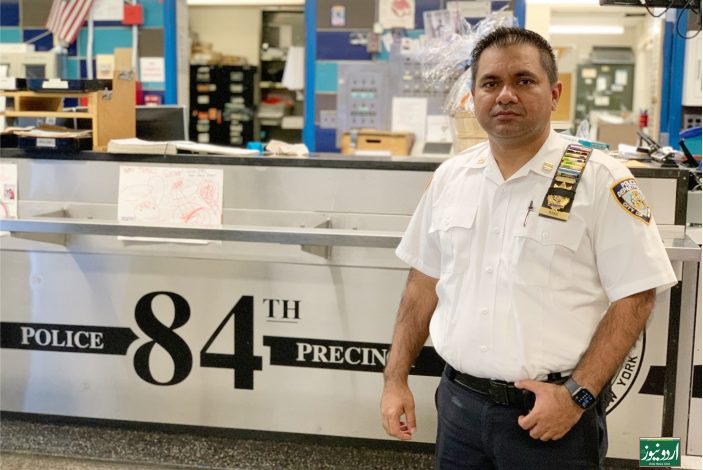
514,36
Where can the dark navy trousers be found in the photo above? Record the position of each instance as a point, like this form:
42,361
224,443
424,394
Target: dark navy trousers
473,432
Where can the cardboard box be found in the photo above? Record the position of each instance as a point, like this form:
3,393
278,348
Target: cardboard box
371,140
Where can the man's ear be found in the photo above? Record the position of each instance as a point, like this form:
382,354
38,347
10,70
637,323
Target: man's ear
556,94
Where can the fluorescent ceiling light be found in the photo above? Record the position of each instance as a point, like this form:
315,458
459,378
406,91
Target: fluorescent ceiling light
248,3
586,29
561,3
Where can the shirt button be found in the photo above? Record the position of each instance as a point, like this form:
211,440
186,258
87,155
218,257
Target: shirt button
489,269
545,235
495,230
484,311
483,348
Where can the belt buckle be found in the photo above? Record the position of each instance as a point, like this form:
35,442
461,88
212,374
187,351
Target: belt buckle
498,391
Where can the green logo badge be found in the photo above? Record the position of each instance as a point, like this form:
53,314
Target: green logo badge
660,452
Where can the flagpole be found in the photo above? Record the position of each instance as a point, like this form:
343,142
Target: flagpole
89,46
65,20
59,50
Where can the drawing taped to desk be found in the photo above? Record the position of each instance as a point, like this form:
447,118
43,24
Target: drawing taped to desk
172,196
8,190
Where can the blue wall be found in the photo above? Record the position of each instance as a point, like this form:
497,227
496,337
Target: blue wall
327,46
19,25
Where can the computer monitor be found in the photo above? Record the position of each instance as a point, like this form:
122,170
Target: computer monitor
31,64
161,123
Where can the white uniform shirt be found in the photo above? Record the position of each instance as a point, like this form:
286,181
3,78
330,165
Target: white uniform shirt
520,295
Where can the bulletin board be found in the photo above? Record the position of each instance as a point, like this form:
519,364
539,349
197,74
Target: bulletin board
603,87
358,33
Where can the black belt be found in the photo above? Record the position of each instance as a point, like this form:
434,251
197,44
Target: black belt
499,391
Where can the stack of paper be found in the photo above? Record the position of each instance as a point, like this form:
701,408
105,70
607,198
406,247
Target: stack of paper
46,131
213,149
135,145
139,146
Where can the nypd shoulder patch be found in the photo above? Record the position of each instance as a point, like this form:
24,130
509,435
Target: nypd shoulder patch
629,197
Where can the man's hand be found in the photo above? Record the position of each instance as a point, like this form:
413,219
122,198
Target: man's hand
412,326
397,400
554,413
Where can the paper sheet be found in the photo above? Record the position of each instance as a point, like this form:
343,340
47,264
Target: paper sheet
387,40
338,15
601,101
441,23
409,115
152,69
48,131
108,10
438,128
8,190
105,66
170,196
294,72
214,149
396,13
471,9
409,46
138,146
621,77
589,73
601,83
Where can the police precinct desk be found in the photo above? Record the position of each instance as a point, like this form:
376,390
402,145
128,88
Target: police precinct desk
280,319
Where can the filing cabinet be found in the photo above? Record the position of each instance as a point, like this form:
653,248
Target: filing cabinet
222,104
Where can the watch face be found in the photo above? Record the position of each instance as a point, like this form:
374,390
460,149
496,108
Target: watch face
584,398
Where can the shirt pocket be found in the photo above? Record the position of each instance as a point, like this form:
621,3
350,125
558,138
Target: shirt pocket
545,251
455,229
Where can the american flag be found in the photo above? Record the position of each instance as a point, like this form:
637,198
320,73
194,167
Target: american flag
66,18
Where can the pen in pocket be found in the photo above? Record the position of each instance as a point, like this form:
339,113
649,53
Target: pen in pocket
530,208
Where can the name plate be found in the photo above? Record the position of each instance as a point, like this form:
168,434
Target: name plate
46,143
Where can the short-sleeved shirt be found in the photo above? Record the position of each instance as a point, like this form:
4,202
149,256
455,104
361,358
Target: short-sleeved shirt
520,295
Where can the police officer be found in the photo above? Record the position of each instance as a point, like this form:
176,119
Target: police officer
534,267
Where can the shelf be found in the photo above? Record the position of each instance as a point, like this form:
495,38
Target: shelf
46,94
319,236
112,113
283,121
40,114
274,85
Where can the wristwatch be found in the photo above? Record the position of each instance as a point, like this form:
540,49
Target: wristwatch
581,396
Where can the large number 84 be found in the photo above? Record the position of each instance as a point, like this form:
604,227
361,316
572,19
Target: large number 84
243,361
